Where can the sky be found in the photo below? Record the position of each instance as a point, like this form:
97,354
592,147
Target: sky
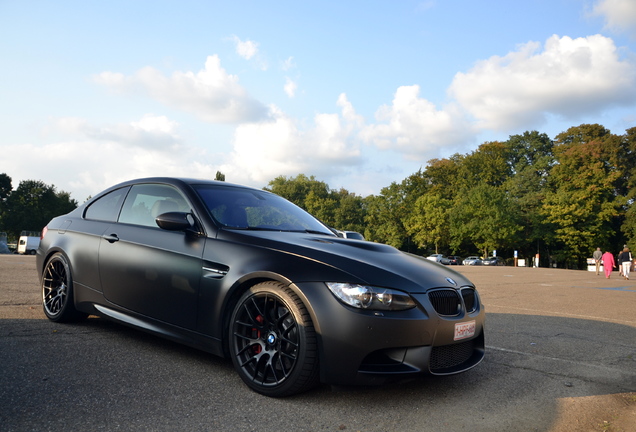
359,94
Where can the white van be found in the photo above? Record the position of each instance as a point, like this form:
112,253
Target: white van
28,245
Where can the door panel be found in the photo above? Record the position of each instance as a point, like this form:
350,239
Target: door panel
152,272
148,270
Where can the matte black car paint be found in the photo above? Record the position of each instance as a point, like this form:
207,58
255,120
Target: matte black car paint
184,285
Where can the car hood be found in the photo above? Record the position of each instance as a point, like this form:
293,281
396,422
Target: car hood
364,262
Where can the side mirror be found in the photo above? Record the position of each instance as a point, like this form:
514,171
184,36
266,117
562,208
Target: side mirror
174,221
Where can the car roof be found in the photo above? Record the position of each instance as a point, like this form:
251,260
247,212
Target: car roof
175,181
180,180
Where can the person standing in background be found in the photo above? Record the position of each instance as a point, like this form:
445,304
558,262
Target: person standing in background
625,261
598,256
608,264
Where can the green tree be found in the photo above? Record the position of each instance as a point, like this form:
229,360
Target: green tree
5,191
582,201
443,176
5,187
629,148
322,206
484,215
570,194
581,134
531,158
349,212
387,214
530,150
297,189
488,164
33,204
339,209
429,223
383,222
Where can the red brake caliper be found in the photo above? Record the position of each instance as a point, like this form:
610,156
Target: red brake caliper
256,348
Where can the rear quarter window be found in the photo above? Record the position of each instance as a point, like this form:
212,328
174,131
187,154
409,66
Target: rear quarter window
107,207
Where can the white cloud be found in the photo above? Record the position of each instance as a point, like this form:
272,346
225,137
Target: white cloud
212,94
569,78
249,51
415,127
246,49
96,157
566,77
619,15
288,64
154,132
290,87
263,151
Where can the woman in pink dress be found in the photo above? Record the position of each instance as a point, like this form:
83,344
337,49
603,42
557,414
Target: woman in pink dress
608,264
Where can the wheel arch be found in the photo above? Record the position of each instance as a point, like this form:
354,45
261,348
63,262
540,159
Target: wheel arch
68,312
49,254
248,282
281,355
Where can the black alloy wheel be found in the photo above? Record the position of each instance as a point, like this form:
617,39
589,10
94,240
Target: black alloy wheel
57,291
273,342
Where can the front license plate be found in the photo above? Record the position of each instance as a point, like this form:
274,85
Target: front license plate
464,330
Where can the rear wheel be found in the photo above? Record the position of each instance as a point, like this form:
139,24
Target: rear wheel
273,342
57,291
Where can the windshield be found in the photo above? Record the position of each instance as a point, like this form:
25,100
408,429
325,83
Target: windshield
237,208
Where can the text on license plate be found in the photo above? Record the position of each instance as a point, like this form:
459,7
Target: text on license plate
464,330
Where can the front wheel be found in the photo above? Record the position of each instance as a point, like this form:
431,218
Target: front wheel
57,291
273,342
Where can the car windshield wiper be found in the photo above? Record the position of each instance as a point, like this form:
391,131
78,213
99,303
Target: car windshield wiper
274,229
310,231
251,228
277,229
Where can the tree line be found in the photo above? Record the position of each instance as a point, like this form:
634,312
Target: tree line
560,198
30,206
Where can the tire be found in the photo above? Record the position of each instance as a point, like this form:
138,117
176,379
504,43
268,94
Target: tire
57,291
272,341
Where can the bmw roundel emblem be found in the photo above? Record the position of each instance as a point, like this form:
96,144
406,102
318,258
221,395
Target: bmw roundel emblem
451,281
271,339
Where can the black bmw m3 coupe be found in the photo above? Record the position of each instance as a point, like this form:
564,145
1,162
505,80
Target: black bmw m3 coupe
243,273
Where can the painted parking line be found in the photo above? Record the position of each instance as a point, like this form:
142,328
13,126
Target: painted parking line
544,312
617,371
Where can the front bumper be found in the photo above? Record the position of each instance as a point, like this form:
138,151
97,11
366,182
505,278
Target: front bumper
370,347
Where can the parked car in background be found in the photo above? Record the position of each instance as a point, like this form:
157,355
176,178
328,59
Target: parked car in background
439,258
473,260
4,247
493,261
454,260
349,235
28,245
245,274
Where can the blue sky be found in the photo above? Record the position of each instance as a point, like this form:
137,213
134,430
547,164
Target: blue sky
357,93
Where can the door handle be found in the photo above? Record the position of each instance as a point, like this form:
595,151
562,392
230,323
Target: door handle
111,238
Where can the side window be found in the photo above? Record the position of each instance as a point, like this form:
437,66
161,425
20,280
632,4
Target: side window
107,207
147,201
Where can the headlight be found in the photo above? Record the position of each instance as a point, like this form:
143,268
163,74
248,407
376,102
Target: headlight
371,298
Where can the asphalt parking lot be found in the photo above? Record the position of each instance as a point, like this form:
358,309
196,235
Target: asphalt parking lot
561,356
